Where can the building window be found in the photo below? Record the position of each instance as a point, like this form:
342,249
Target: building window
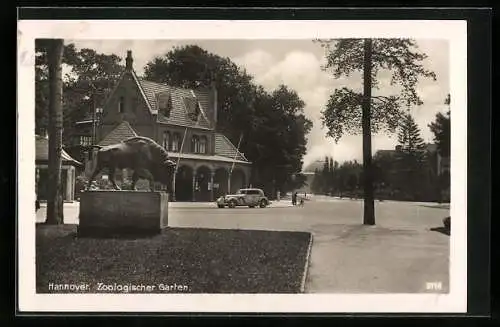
85,140
195,144
175,142
203,144
166,140
164,103
121,105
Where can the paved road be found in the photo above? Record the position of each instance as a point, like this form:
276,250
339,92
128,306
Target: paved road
399,254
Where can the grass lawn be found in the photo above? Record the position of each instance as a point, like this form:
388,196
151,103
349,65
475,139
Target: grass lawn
177,260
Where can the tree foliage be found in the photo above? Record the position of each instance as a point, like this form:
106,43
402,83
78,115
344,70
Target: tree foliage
441,128
400,57
412,144
411,157
337,179
92,76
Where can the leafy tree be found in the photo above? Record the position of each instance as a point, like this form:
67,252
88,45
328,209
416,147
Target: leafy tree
331,182
410,140
384,168
92,77
290,131
325,176
54,49
441,130
316,183
442,137
412,156
42,82
379,112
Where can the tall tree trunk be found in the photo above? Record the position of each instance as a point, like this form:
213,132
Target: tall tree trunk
369,206
55,196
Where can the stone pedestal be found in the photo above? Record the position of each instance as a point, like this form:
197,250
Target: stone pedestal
110,213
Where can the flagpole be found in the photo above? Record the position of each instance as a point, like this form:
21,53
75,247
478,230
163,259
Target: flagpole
177,164
232,166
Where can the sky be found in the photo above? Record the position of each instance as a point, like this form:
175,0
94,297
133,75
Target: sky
297,64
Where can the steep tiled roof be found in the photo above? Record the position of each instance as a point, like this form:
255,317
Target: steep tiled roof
179,113
42,152
224,147
120,133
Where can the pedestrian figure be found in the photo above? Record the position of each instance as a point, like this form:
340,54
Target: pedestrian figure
294,198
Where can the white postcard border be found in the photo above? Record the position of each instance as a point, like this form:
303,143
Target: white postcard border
455,31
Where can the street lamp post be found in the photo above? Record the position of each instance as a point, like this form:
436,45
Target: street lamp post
94,114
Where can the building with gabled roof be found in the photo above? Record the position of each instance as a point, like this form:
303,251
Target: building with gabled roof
68,170
184,122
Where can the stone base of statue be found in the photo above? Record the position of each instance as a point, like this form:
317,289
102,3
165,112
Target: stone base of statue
122,213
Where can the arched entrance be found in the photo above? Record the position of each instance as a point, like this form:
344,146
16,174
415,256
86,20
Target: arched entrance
201,188
220,182
237,180
184,184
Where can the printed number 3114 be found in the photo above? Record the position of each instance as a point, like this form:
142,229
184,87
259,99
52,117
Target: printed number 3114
434,286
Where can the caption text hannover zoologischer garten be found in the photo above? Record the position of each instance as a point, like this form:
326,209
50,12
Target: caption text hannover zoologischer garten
118,287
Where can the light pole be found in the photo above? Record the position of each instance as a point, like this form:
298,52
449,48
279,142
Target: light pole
95,124
96,112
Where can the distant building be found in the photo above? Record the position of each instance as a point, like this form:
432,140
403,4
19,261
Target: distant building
41,165
317,164
183,121
440,164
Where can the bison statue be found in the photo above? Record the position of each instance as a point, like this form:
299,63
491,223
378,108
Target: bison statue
144,156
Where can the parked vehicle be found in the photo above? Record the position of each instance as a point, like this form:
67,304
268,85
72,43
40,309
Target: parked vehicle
250,197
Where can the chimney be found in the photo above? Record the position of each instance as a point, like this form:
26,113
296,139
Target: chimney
129,61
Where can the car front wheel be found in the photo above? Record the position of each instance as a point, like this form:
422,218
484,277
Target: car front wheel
263,203
232,204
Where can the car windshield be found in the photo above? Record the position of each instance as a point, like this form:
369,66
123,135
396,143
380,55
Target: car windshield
242,192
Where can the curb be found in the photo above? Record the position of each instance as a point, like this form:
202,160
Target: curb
306,266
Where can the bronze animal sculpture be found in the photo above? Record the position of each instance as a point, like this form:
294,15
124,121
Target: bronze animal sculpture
144,156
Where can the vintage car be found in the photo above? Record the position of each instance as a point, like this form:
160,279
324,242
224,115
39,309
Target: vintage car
250,197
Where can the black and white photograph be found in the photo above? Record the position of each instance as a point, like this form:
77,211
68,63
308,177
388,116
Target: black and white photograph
239,166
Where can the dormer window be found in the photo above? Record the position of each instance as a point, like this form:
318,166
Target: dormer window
121,105
165,103
192,107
